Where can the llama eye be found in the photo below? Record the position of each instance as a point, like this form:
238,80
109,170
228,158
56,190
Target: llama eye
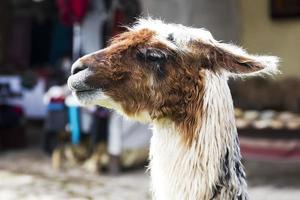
151,55
155,56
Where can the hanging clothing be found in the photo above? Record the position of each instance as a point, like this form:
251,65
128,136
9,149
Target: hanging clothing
61,43
92,27
71,11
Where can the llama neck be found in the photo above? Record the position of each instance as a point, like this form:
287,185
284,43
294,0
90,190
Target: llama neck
210,168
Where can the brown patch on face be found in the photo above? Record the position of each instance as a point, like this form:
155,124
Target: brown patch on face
215,58
129,39
179,96
171,87
117,72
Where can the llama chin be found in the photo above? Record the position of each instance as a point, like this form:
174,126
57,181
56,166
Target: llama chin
175,78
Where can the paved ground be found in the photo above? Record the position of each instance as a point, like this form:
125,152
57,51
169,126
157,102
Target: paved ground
27,174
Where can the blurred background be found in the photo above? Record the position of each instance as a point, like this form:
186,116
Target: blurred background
50,148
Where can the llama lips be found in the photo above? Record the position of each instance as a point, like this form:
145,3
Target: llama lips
76,84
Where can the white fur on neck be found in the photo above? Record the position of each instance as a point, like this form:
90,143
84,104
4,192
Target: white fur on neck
179,172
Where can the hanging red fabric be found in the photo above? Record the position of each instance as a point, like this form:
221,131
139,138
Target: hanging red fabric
71,11
119,18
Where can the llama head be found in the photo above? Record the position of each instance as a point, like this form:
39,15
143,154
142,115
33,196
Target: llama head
158,71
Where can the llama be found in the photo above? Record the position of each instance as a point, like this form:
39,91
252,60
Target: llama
175,78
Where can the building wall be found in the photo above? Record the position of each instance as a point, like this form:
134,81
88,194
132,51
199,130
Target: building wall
219,17
245,22
261,34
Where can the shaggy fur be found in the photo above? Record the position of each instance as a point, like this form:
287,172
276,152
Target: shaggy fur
175,77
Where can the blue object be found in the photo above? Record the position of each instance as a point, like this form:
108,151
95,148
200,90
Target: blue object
55,106
74,124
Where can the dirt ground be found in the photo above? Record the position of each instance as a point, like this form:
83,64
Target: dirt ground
27,174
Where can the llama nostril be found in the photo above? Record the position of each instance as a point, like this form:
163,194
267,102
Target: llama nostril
77,67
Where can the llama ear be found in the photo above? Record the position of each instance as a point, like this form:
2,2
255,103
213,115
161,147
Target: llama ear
237,61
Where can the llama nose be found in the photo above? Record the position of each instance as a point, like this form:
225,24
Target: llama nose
77,67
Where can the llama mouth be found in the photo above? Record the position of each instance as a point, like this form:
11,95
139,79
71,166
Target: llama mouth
86,94
95,97
87,97
84,91
78,85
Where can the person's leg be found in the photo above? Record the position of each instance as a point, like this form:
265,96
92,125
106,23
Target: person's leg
49,141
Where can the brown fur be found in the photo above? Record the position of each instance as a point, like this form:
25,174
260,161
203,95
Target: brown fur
173,91
216,59
176,94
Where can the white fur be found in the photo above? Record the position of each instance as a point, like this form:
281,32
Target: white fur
179,172
182,34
